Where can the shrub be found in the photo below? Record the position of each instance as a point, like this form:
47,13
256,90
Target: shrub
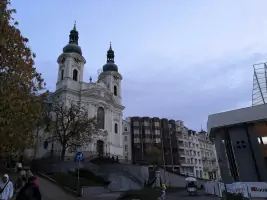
233,196
70,181
145,194
85,173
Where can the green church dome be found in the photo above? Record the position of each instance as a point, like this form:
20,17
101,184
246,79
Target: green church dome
73,46
110,65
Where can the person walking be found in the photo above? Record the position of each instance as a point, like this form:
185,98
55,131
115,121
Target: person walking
21,181
163,192
29,174
30,191
6,188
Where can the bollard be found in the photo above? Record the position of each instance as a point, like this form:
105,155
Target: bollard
80,192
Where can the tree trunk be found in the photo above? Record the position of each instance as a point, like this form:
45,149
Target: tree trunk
62,155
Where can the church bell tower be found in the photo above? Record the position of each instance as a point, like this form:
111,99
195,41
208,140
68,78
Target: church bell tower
111,76
70,63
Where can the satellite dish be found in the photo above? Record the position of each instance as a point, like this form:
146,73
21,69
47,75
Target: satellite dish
99,71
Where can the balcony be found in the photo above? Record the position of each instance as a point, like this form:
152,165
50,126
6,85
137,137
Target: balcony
205,169
184,163
204,158
213,160
215,168
181,153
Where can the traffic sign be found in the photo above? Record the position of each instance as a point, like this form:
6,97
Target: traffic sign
79,156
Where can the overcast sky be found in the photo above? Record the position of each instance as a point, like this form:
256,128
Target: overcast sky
180,59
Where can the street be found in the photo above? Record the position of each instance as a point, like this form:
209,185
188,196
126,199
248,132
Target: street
183,195
51,191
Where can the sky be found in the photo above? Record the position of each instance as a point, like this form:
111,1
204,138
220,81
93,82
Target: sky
180,59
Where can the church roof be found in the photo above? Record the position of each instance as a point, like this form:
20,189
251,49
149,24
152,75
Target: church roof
73,46
110,65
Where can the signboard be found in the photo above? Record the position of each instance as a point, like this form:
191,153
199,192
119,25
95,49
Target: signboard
79,156
257,189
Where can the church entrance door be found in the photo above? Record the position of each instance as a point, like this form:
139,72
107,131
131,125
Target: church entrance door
100,147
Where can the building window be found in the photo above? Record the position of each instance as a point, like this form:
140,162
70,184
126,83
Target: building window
115,90
136,123
262,140
126,147
158,140
116,128
147,132
157,132
137,140
125,138
100,118
136,132
126,128
157,124
45,145
146,123
62,74
75,74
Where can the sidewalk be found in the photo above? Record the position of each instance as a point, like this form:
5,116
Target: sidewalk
51,191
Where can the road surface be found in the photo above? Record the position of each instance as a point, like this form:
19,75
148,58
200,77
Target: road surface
183,195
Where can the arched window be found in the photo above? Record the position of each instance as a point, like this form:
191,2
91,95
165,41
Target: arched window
62,74
116,128
75,74
100,118
115,90
45,144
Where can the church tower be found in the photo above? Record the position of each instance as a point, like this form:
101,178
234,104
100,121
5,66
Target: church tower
111,76
71,63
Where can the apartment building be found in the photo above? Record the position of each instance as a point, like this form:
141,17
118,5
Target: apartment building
183,150
208,157
190,157
154,132
127,141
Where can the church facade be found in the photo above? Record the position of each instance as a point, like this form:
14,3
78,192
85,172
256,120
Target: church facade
102,99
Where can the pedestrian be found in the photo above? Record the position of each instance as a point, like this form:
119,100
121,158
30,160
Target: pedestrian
29,175
163,192
6,188
20,182
30,191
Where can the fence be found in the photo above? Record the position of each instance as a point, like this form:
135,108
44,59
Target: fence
247,189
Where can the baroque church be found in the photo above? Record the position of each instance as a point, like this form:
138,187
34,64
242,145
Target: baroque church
102,98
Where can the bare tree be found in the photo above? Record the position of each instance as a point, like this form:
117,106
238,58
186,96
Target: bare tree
154,157
70,126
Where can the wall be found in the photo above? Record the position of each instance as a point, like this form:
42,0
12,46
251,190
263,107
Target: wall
175,180
89,192
246,151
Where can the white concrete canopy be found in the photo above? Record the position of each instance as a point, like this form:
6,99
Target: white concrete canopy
235,117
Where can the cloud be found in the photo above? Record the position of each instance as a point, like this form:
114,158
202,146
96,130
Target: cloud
194,92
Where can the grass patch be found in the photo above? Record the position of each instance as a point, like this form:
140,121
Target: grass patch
144,194
70,180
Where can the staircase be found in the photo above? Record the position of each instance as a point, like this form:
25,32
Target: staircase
120,178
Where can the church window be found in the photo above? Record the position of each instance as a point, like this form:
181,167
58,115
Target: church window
115,90
100,118
116,128
45,144
62,74
75,74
